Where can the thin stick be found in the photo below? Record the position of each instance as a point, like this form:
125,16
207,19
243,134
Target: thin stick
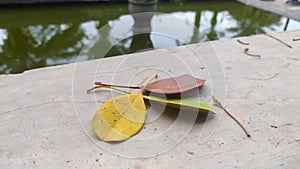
152,78
217,103
109,87
93,88
296,39
101,85
112,85
279,41
249,54
243,43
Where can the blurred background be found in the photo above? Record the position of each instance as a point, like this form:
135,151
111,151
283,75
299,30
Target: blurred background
39,35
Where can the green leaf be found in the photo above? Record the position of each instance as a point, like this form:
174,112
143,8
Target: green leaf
184,103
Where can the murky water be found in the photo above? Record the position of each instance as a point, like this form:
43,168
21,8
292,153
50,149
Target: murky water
39,36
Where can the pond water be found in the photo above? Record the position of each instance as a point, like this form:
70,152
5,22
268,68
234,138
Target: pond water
45,35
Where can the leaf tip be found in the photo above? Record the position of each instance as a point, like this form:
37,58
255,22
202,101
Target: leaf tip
89,90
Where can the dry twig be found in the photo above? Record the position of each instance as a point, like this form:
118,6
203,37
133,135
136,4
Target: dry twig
249,54
279,41
243,43
296,39
218,104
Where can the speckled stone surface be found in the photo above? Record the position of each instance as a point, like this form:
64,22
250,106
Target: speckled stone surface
46,114
279,7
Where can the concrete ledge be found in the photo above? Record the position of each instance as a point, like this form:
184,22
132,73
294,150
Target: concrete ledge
46,114
279,7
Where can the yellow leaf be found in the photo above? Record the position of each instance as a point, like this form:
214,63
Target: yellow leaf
120,117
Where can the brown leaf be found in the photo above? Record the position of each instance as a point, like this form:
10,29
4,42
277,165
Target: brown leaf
175,85
171,87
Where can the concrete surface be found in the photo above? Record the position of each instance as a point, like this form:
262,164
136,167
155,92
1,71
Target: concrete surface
279,7
46,114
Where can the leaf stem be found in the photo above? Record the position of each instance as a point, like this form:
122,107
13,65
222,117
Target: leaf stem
102,85
109,87
152,78
218,104
112,85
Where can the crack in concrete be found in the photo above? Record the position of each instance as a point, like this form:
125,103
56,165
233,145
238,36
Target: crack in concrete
45,103
269,77
265,78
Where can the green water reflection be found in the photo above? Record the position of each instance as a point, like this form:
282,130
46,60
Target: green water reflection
32,37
